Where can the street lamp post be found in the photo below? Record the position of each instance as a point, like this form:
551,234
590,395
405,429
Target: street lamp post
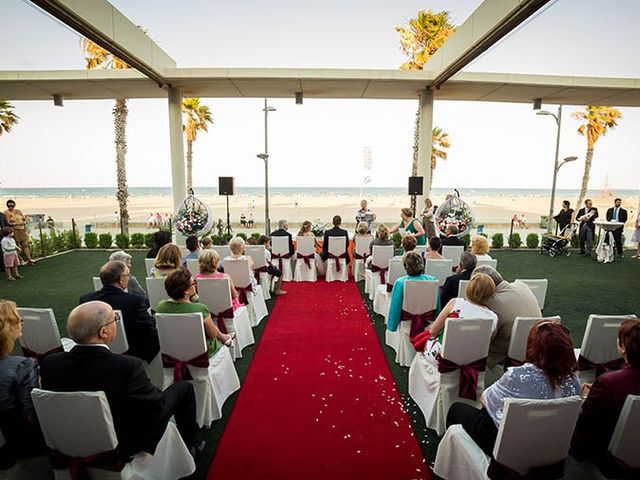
265,157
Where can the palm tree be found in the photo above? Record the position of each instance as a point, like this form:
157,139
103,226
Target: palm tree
420,38
98,57
596,121
440,141
197,116
7,117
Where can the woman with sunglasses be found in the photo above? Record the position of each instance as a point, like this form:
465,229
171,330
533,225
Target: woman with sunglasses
549,372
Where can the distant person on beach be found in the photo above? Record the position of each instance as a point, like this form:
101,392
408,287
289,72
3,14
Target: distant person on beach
564,217
16,220
365,214
243,220
410,226
636,236
10,254
151,221
427,218
160,239
51,224
250,220
617,214
116,217
586,217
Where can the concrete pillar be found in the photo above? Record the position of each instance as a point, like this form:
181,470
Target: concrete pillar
178,180
424,145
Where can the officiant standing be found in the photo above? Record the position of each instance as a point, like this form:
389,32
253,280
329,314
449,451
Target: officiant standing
365,214
586,217
617,214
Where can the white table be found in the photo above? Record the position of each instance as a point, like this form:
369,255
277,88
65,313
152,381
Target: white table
605,251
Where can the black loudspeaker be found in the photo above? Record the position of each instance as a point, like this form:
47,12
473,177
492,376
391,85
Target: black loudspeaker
415,185
225,185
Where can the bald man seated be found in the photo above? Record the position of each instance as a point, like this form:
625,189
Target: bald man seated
140,410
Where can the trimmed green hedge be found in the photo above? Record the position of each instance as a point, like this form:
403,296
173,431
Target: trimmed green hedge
514,240
91,240
137,240
105,240
532,240
497,241
122,241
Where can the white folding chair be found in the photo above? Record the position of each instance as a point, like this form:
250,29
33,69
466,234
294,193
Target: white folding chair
378,271
421,249
538,287
520,333
148,265
258,255
419,297
280,256
489,262
360,254
240,273
27,468
338,248
97,284
533,433
383,293
465,341
182,337
625,441
120,344
305,270
223,250
215,294
462,288
40,335
441,269
184,251
452,252
156,291
599,345
193,266
87,429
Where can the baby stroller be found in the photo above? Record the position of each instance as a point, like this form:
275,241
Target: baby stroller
558,244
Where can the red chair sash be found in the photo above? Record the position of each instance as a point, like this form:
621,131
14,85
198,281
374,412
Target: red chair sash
39,356
420,340
389,287
258,270
468,375
337,259
381,271
279,257
498,471
419,321
600,368
357,256
242,293
180,367
307,258
111,460
220,316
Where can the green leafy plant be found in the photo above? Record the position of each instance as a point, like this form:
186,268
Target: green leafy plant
122,241
105,240
466,239
532,240
137,240
91,240
242,236
497,241
255,236
397,240
514,240
148,240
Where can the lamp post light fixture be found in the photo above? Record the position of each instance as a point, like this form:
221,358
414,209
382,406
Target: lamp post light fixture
265,156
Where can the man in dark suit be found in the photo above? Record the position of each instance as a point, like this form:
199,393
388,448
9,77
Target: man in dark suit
463,272
451,238
140,410
586,217
140,327
336,231
617,214
283,231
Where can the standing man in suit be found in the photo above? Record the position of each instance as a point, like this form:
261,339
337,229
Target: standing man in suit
617,214
140,410
140,327
336,231
586,216
468,262
283,231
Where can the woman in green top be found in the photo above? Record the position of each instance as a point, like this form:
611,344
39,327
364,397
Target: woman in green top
181,286
411,226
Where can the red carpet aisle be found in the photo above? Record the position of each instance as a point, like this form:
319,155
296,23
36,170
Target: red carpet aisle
318,401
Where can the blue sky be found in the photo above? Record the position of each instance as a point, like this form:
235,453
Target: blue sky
321,142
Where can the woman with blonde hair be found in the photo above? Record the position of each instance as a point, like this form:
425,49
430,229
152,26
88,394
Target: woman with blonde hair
410,225
480,247
208,263
169,259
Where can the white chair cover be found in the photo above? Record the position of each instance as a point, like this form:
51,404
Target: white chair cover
304,273
337,247
452,252
462,289
156,291
520,333
280,246
182,337
419,297
223,250
489,262
380,257
215,294
361,248
40,331
538,287
625,441
382,298
533,433
441,269
120,344
154,370
240,273
97,284
465,341
148,265
193,266
258,255
599,342
88,429
421,249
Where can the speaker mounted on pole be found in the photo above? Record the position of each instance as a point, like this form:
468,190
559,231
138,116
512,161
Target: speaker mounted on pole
225,185
416,185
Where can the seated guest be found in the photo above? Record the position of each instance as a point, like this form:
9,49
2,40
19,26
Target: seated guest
134,286
169,258
271,269
414,266
140,411
510,300
604,400
433,248
236,248
252,241
362,230
408,243
480,247
411,226
208,263
451,237
18,376
463,272
181,287
194,251
283,231
479,290
207,243
160,239
381,238
305,230
336,231
140,327
549,373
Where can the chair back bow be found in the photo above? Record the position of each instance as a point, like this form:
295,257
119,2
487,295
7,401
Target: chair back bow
39,356
337,259
279,257
419,321
220,316
380,270
258,270
499,471
389,287
358,256
111,460
242,293
468,375
180,367
307,258
586,364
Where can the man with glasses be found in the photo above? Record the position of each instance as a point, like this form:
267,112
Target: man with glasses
16,220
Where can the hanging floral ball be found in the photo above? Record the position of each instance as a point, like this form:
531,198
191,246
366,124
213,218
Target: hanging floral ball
454,211
194,217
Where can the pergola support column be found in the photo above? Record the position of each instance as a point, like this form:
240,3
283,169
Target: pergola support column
178,180
424,145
